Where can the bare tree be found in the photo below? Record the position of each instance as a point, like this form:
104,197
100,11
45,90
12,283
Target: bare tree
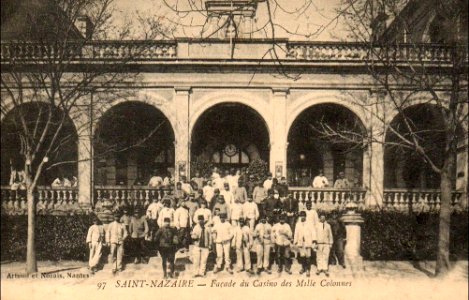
43,66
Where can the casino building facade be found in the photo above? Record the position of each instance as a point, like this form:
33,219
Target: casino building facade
227,102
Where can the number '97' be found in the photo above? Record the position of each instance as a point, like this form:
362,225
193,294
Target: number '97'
101,285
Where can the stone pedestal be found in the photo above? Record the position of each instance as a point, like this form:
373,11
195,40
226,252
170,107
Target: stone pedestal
353,222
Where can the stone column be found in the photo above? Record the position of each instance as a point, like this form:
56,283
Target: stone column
85,155
375,153
278,136
182,143
353,222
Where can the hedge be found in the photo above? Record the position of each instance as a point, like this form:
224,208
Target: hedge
57,237
390,235
386,235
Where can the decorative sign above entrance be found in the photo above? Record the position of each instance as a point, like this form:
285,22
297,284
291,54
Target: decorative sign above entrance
230,150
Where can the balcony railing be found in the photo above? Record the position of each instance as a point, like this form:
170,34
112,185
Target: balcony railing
64,200
99,50
359,52
328,198
413,199
128,195
49,200
14,51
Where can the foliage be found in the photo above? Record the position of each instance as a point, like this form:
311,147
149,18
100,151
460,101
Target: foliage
389,235
258,168
205,168
57,237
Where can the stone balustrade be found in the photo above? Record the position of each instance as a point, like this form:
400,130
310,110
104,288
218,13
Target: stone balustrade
328,199
406,53
13,51
49,200
128,195
99,50
413,199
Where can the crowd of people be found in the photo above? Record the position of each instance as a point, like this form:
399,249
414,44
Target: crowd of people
246,223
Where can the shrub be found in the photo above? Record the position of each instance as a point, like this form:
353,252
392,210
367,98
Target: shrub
258,168
57,237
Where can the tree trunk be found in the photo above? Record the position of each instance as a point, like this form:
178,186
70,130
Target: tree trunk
31,263
442,259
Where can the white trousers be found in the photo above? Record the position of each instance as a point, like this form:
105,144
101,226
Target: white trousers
223,253
199,259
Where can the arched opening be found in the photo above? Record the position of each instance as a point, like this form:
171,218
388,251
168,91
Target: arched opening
63,155
133,141
325,137
229,135
403,166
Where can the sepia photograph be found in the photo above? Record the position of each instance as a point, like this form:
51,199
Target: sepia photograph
234,149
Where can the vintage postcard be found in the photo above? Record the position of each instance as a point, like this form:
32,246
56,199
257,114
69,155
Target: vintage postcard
245,149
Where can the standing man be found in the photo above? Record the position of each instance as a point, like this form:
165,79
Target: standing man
115,236
183,223
282,236
250,212
311,214
268,182
263,244
221,205
240,193
339,235
167,242
305,240
320,181
325,240
208,191
166,212
272,206
242,242
250,185
201,236
236,213
290,208
138,232
193,203
223,233
203,211
342,182
186,186
198,180
94,239
227,194
259,193
152,213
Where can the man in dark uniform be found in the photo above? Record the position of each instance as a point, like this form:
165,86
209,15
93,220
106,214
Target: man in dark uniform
339,236
167,242
272,206
290,208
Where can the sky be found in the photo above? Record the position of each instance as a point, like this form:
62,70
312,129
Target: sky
296,19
